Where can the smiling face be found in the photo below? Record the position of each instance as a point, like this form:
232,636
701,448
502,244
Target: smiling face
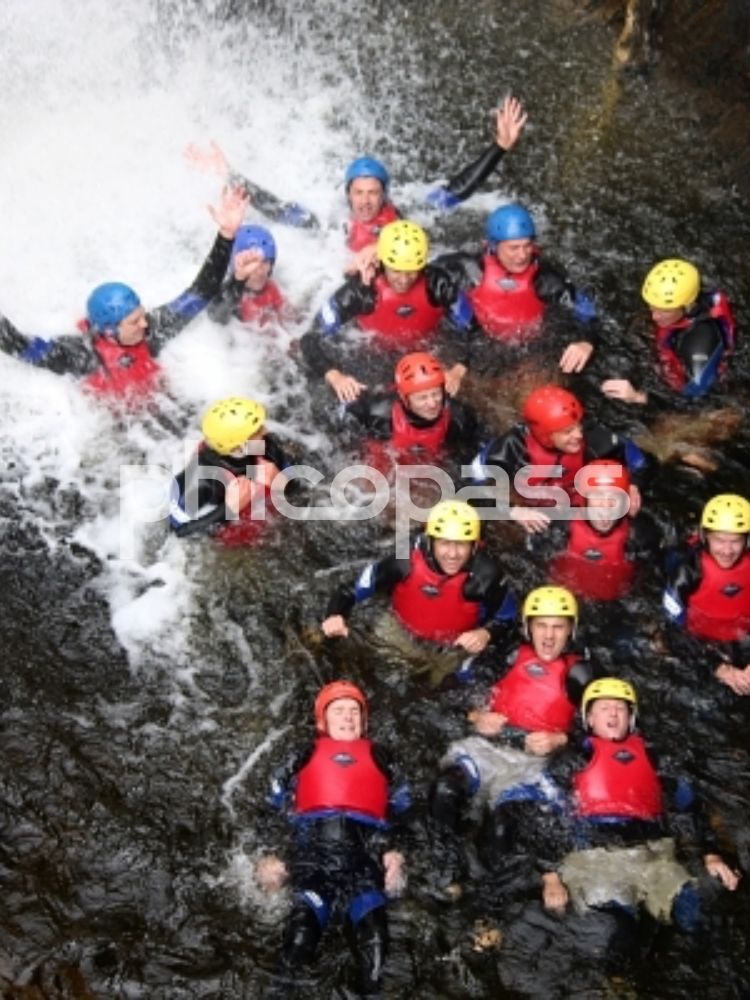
515,255
451,557
609,718
400,281
549,635
427,404
343,719
366,198
569,440
132,329
725,547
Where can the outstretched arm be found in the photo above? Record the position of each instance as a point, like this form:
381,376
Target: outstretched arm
168,320
510,121
288,213
63,355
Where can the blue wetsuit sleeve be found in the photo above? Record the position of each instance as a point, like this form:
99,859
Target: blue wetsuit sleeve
287,213
63,355
376,578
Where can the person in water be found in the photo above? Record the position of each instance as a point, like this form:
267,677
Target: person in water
367,183
528,715
598,556
117,349
447,596
617,853
512,287
708,590
399,308
249,294
693,332
554,437
420,422
229,478
341,794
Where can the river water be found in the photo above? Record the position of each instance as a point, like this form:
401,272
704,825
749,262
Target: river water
149,685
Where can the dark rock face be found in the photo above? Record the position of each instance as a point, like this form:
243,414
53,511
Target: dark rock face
706,45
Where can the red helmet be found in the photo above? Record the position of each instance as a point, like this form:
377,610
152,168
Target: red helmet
418,372
549,409
602,474
331,692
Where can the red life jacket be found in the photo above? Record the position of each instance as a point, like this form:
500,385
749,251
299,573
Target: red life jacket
259,307
408,443
401,320
506,304
432,605
407,438
595,565
342,775
532,694
619,780
539,455
720,608
246,530
362,234
672,368
124,371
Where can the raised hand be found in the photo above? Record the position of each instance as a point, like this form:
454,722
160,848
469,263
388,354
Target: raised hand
511,119
229,214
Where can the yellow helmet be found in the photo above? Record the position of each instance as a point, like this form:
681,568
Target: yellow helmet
230,422
554,601
454,521
727,512
403,246
610,687
671,284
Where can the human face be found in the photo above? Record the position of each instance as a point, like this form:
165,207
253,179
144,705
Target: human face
515,255
343,719
609,718
401,281
569,440
605,509
366,198
549,635
451,557
667,317
132,329
725,547
427,404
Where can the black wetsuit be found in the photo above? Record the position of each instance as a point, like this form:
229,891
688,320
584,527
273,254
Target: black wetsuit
373,414
510,453
323,348
203,483
457,189
76,354
336,871
570,314
485,584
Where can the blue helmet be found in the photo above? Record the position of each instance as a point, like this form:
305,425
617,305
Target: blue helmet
511,222
109,304
366,166
254,238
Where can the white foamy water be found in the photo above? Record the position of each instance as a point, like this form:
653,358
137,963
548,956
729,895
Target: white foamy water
98,105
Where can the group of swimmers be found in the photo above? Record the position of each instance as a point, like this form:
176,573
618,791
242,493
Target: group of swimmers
552,736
